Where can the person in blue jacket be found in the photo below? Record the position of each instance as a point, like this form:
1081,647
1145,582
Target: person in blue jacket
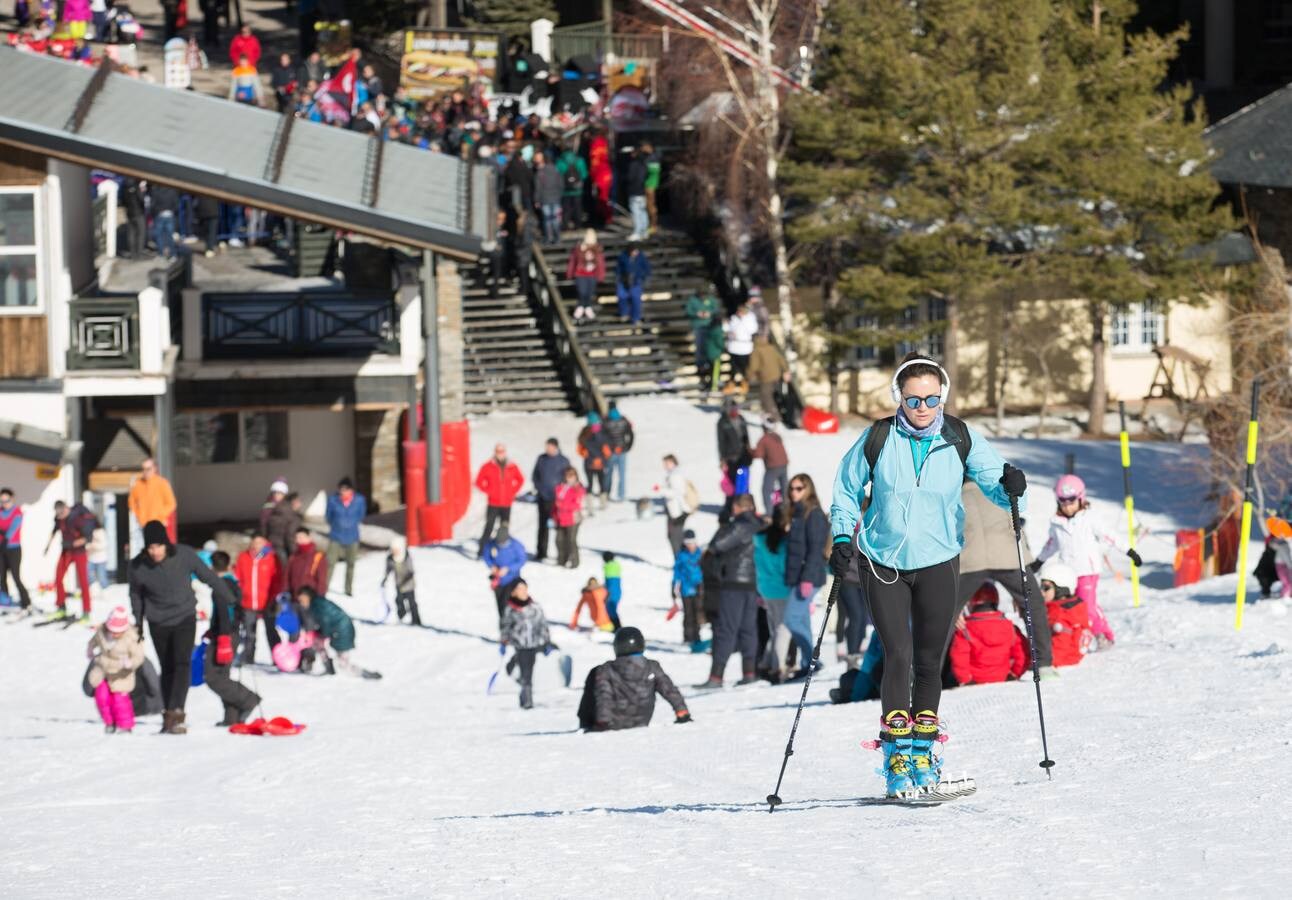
904,550
631,272
346,510
505,557
688,581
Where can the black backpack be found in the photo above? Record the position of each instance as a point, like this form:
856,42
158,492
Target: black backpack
954,432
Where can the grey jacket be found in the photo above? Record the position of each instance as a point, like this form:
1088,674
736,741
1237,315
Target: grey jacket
988,534
402,571
549,185
525,628
625,690
734,546
162,592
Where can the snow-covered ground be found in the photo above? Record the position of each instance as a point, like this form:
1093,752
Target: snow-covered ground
1171,779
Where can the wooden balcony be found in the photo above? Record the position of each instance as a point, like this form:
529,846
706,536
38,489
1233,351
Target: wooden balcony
266,326
24,347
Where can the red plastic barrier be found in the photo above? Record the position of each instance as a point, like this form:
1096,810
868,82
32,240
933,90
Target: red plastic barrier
430,522
1188,556
818,421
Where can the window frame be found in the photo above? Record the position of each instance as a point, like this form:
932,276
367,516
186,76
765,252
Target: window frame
188,420
36,250
1131,319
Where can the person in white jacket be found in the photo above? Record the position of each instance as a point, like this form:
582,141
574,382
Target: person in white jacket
1077,540
673,490
741,330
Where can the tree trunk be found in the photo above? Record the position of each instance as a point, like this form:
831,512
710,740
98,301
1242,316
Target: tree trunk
951,351
1002,367
1098,375
1043,364
833,323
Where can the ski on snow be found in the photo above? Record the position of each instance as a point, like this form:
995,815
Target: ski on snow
942,792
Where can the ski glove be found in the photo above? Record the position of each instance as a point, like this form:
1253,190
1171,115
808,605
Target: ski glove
683,717
805,589
1034,566
1135,558
841,558
223,650
502,649
1014,481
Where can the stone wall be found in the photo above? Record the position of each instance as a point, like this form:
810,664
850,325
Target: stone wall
448,283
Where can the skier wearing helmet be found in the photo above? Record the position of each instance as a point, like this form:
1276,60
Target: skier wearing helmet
1069,623
905,551
1076,539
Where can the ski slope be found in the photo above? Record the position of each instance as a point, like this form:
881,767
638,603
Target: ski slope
1170,778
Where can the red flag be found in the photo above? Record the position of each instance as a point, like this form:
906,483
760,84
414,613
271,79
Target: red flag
336,96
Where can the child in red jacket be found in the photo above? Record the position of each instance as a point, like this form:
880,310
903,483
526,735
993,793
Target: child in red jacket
1069,620
988,647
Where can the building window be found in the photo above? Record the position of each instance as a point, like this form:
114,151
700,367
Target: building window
1138,327
1278,22
204,439
19,253
925,312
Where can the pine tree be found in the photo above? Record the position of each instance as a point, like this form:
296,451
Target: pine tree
512,17
962,150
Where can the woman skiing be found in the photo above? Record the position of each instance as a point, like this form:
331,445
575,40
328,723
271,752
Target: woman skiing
1077,539
904,550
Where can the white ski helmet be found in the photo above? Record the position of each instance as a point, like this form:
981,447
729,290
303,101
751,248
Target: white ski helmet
1060,573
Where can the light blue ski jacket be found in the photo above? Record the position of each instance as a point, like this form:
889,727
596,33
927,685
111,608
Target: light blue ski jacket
915,518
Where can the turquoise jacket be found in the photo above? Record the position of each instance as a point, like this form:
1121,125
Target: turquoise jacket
915,518
770,568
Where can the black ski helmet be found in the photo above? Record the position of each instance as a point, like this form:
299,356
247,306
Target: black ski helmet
629,641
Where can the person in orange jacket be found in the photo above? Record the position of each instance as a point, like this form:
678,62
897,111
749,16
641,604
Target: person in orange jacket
152,500
259,576
501,480
987,647
594,598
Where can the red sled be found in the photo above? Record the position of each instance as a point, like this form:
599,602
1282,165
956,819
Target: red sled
275,727
818,421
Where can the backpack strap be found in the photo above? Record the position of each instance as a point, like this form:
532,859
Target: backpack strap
954,431
875,440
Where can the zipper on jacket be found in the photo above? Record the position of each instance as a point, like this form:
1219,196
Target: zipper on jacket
919,473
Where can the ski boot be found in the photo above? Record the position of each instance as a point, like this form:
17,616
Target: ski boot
895,741
926,767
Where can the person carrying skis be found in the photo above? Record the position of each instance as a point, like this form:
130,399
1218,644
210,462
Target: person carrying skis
1076,539
987,647
904,550
524,629
621,693
399,566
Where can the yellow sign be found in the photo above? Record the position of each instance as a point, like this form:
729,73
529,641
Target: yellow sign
45,472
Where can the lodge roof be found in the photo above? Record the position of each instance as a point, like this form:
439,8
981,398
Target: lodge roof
1254,144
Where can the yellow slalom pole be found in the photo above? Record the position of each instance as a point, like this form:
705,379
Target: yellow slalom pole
1130,500
1249,491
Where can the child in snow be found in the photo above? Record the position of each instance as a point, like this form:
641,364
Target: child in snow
987,647
1280,548
399,565
524,628
688,581
593,597
621,693
1075,539
116,651
1069,621
239,701
611,573
332,628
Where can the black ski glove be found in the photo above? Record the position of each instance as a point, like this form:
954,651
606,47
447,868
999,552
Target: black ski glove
841,558
1014,481
1135,558
683,718
1034,566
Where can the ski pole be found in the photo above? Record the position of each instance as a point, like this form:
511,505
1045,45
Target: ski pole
1047,764
1249,492
1130,500
774,798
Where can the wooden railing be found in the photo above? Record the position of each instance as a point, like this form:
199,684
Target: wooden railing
590,40
103,333
267,325
554,319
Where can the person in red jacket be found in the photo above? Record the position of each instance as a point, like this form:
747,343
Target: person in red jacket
587,266
258,575
500,479
1069,618
307,566
988,647
245,44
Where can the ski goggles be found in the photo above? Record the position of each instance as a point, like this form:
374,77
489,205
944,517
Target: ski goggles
931,401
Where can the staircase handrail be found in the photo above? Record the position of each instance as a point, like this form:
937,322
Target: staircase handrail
546,295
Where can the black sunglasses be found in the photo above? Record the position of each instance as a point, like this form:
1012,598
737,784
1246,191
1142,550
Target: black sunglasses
930,401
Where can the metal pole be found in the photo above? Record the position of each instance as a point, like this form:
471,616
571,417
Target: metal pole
1070,464
1046,763
431,372
1249,492
1130,500
410,424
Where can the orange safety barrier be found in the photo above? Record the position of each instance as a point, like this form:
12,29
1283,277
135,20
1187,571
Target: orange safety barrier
1188,556
427,523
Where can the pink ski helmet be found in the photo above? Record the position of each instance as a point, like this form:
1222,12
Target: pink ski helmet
1070,487
287,656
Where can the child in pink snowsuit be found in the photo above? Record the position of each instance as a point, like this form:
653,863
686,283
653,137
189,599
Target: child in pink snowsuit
1076,540
117,652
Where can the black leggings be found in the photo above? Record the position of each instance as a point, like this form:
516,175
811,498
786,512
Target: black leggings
914,613
174,644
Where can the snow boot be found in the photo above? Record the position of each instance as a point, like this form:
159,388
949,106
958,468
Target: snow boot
109,729
926,766
895,741
526,696
230,717
414,617
713,684
176,718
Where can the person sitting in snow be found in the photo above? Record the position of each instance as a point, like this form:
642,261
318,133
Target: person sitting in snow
524,629
505,557
593,597
1069,621
986,646
621,693
239,700
333,629
399,565
116,652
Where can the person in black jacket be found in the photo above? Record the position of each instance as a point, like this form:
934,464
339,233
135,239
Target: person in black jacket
733,448
239,701
619,435
132,200
549,472
161,592
738,601
621,693
805,562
